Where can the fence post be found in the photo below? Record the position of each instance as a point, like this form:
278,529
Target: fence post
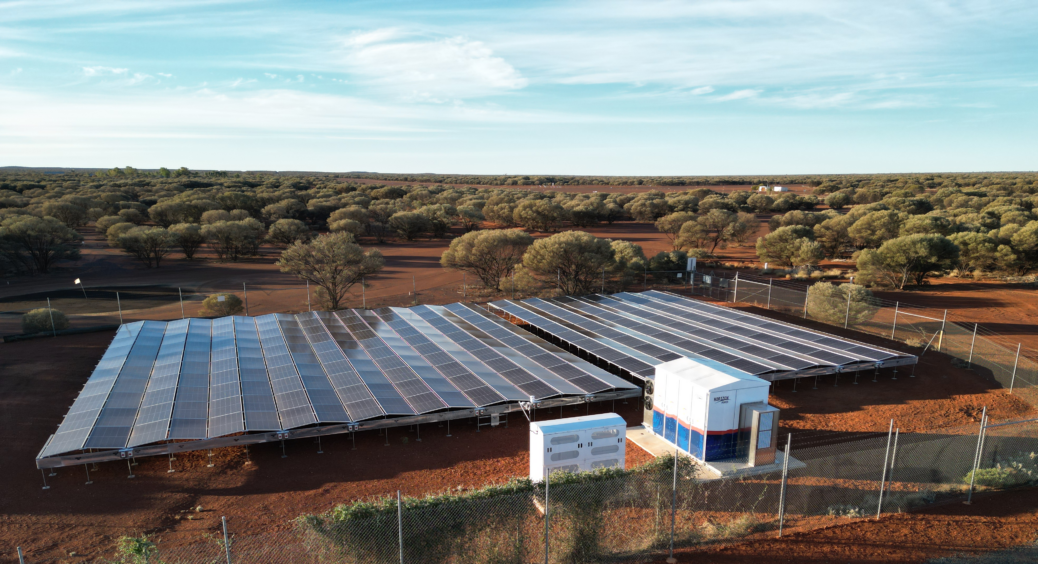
547,480
21,557
770,280
883,481
847,317
1012,381
893,458
645,280
119,304
363,294
972,342
464,282
806,294
226,542
400,526
181,294
414,289
976,454
246,292
513,283
53,329
308,308
894,327
940,340
603,280
782,491
735,296
673,507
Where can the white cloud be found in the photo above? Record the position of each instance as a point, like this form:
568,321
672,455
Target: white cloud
702,90
241,81
164,74
431,69
104,71
738,95
270,75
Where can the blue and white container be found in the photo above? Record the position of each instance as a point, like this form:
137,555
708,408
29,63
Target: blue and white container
697,407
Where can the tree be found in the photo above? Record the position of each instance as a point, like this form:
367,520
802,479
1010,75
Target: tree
926,224
629,262
874,228
334,262
470,217
103,223
790,246
188,237
212,216
70,214
977,251
221,305
288,208
670,225
838,200
760,203
147,244
288,231
667,265
488,254
716,228
350,226
409,225
1024,244
168,213
441,217
648,207
132,216
832,235
233,240
574,258
39,320
905,260
829,303
113,232
539,215
37,243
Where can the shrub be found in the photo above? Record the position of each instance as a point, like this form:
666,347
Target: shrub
38,321
221,305
827,302
846,510
1017,470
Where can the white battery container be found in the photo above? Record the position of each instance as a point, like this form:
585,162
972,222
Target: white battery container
577,444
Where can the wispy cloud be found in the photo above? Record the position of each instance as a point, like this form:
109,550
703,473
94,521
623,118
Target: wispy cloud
702,90
104,71
428,68
738,95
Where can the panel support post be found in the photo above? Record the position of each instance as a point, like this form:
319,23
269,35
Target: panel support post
782,491
1016,363
972,342
226,540
87,468
770,280
363,295
547,512
847,316
673,508
308,306
44,474
21,557
181,294
400,526
805,304
976,454
119,304
883,480
940,339
53,329
735,295
893,328
246,292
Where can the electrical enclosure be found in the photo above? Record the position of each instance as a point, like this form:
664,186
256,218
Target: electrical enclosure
577,444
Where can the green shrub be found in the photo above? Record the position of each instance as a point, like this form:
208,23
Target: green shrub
1018,470
38,321
214,306
136,550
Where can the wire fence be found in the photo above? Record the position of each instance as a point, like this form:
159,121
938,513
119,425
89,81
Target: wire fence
970,345
638,515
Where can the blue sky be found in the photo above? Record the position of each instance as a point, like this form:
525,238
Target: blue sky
599,87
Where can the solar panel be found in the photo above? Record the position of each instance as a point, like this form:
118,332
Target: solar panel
351,389
190,418
416,392
293,405
261,413
318,387
112,428
225,407
152,423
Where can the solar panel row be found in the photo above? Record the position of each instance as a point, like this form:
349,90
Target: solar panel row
199,379
636,331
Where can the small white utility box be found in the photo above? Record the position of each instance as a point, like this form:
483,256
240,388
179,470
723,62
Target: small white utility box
697,407
577,444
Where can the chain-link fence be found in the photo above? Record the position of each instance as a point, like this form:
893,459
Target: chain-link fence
631,515
972,346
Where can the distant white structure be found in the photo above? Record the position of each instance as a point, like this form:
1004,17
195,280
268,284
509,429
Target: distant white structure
577,444
779,189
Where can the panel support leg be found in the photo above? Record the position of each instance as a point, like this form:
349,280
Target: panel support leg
319,449
171,470
418,432
87,468
283,453
210,465
44,474
130,468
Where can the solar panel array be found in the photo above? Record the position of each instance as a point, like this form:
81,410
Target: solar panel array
637,331
199,379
